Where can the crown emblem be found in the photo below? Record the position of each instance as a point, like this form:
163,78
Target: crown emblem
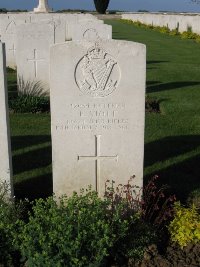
96,53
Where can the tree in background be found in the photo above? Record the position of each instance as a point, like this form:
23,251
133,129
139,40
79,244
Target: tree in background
101,5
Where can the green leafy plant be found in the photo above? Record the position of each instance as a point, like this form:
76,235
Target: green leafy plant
9,213
31,98
164,29
174,32
188,35
73,231
185,227
85,230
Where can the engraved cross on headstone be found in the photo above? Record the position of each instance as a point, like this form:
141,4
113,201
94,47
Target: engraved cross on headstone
13,49
35,60
98,158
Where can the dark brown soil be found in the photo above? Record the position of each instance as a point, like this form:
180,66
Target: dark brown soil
152,105
174,256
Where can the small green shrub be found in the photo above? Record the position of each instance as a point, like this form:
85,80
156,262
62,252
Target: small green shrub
9,213
188,35
174,32
164,29
28,103
31,98
85,230
73,232
185,227
197,39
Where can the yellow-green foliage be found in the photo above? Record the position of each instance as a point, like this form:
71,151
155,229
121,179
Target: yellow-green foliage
185,227
164,29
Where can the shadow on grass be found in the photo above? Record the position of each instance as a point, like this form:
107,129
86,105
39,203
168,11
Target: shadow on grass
182,177
168,86
19,142
37,187
156,61
169,147
32,159
150,83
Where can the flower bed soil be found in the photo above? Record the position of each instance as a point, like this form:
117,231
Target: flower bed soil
174,256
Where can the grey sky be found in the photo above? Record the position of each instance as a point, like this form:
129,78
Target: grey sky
129,5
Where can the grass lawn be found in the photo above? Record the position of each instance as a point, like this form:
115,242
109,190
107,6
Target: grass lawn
172,138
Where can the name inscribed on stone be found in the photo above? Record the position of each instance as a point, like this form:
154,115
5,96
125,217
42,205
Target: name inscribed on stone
94,116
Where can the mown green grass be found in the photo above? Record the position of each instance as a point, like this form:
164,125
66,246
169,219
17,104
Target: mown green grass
172,138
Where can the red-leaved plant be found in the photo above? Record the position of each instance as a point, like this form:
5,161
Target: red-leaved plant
150,202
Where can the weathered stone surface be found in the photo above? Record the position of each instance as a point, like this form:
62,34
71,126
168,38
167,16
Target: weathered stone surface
9,23
33,44
97,111
91,31
8,36
5,149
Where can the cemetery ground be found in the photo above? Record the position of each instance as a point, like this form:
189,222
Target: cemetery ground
172,136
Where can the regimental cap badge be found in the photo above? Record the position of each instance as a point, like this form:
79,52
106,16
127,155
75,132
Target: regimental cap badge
97,74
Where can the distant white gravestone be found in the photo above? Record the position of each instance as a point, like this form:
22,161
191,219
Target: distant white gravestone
33,44
8,36
5,149
91,31
97,93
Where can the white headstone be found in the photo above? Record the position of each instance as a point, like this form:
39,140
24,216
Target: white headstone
97,93
33,44
8,36
5,148
42,7
91,31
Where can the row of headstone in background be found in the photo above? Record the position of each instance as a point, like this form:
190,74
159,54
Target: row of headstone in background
34,41
10,22
5,149
97,93
173,21
28,43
